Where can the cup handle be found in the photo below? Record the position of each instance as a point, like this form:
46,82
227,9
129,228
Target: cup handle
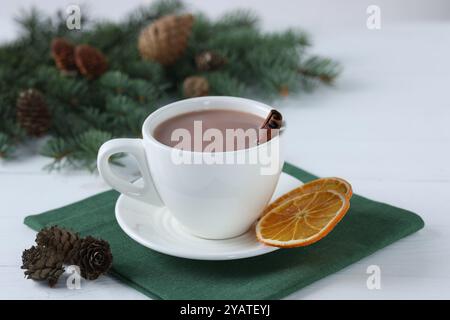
135,147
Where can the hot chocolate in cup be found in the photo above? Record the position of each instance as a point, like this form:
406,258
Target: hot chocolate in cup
214,189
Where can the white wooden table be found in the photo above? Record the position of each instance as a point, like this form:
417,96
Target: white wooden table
384,127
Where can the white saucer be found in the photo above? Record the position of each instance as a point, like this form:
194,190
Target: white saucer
155,228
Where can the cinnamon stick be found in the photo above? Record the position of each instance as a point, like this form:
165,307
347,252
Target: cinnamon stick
273,121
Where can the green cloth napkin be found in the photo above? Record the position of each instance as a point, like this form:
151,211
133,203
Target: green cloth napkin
367,227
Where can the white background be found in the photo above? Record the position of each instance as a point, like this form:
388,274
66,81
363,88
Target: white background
384,127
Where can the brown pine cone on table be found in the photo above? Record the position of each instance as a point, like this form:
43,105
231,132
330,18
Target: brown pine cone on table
59,239
28,256
92,255
42,263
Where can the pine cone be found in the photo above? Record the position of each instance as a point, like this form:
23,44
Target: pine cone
42,263
90,62
28,255
284,91
63,52
209,60
32,112
166,39
59,239
93,256
195,86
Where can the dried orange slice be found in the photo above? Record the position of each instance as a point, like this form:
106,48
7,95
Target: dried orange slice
302,220
337,184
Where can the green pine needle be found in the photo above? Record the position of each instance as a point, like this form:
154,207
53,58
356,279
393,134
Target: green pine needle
6,147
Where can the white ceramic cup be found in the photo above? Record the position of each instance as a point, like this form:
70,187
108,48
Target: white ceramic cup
212,201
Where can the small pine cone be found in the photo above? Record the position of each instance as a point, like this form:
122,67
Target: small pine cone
59,239
29,255
195,86
63,52
284,91
90,62
209,60
93,256
166,39
41,263
32,112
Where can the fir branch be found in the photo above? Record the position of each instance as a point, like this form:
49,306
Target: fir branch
144,15
86,147
85,113
164,7
6,146
147,70
237,19
59,150
71,91
323,69
115,81
79,152
223,84
11,133
34,24
98,119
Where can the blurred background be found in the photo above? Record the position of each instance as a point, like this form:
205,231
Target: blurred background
315,16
